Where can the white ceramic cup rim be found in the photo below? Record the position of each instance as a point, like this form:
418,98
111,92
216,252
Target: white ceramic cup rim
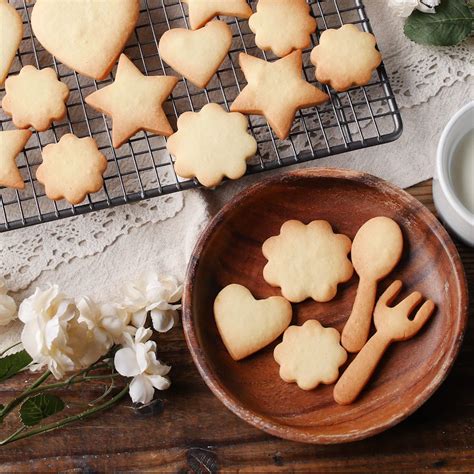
442,156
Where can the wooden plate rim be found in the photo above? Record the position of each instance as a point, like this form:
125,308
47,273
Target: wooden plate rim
287,432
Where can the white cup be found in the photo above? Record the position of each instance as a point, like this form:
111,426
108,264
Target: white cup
451,210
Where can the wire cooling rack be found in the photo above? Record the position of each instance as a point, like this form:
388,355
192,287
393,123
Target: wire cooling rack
142,168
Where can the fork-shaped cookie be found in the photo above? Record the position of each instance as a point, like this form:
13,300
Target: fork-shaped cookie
392,324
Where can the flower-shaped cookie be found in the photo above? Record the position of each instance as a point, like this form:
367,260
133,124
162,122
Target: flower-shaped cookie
345,57
211,144
309,355
307,261
71,169
35,98
282,25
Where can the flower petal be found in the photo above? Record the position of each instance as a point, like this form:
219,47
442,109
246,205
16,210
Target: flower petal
162,321
141,390
159,382
125,362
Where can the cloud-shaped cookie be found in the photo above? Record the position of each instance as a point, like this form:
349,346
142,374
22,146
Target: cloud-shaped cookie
211,144
35,98
72,168
282,25
345,57
307,261
309,355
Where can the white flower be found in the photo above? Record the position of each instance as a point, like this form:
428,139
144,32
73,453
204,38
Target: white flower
53,335
428,6
108,321
7,305
403,8
137,359
156,295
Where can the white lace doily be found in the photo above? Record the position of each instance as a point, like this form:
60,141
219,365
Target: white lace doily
417,72
26,253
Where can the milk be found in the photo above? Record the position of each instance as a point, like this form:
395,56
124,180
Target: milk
462,171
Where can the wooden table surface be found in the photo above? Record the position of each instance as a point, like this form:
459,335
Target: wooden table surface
194,432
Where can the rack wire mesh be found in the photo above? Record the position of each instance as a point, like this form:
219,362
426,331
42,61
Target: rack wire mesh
142,168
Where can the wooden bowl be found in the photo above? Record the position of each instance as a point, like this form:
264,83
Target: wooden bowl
229,251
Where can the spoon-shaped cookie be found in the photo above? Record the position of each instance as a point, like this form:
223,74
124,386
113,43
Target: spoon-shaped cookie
393,324
376,250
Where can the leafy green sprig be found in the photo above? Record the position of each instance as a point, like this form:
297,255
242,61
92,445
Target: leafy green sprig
451,24
36,403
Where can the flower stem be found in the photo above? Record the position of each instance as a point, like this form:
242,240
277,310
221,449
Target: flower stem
66,383
20,434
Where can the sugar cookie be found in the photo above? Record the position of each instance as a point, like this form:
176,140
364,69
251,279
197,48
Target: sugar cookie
307,261
134,101
71,169
393,324
245,324
201,11
276,90
11,143
282,25
309,355
211,144
87,35
376,250
35,98
198,54
11,32
345,57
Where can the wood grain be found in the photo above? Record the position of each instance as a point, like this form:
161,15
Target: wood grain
230,251
195,433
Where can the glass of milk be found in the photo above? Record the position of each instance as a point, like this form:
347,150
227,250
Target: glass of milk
453,186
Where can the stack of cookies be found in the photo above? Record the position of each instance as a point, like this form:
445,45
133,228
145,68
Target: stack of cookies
209,145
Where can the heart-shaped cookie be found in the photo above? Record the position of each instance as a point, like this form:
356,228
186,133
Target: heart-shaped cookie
86,35
196,55
11,32
245,324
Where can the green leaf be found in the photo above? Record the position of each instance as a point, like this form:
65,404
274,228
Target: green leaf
39,407
13,363
451,24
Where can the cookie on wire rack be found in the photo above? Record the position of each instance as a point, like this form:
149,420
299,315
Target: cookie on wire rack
276,90
345,57
35,98
71,169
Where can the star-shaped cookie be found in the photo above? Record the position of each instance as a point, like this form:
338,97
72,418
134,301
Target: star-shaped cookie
282,25
11,143
71,168
276,90
35,98
345,57
201,11
135,102
211,144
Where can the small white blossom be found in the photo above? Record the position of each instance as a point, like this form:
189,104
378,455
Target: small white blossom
137,359
7,305
154,294
108,321
404,8
53,335
428,6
